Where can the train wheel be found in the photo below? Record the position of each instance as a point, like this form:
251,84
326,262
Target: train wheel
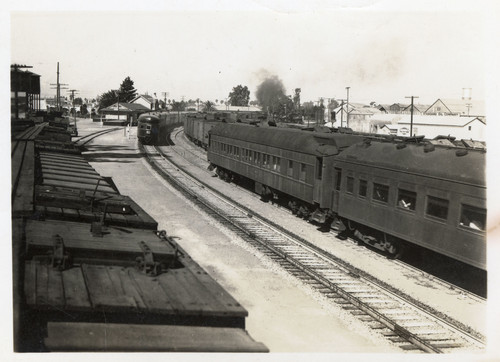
392,247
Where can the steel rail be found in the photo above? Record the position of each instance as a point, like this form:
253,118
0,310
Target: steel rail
400,330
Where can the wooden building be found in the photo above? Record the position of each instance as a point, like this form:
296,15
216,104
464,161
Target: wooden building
24,92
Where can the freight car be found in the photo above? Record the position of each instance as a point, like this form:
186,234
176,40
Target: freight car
91,272
386,192
154,127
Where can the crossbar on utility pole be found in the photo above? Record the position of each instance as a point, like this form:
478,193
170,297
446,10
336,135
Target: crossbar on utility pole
411,115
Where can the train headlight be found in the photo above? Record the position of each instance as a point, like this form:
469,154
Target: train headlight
148,132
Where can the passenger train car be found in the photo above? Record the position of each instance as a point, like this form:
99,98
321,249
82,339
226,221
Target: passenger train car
198,125
386,192
153,127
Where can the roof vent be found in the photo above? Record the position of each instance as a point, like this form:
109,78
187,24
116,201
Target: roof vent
400,146
367,141
461,152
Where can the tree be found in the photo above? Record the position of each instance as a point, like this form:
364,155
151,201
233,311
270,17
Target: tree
208,107
127,91
106,99
78,101
178,106
239,96
296,99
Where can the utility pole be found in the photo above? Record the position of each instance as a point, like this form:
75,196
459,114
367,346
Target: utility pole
16,68
347,108
72,98
341,112
411,115
468,105
165,95
58,89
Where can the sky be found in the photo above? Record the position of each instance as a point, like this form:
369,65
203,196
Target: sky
381,50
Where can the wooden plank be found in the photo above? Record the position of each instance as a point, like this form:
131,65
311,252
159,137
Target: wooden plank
128,287
75,290
77,236
54,156
151,293
41,285
60,166
178,295
67,336
75,185
76,178
91,176
30,269
22,199
103,293
55,297
218,295
64,159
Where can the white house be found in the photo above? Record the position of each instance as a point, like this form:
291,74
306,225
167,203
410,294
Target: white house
145,100
433,126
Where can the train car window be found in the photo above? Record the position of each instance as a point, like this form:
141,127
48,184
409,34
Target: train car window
407,199
290,168
473,217
437,207
319,168
380,192
338,180
363,187
257,157
302,176
250,156
276,163
265,161
350,185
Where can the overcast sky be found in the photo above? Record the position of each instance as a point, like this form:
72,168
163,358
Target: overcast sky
383,52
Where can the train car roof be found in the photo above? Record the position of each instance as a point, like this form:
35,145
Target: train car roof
451,163
318,144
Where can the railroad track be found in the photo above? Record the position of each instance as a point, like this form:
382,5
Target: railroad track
405,324
89,137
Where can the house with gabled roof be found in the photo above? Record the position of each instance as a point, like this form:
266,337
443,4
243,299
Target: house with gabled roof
430,126
146,100
457,107
123,113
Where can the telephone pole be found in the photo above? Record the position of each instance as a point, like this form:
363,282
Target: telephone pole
411,114
58,89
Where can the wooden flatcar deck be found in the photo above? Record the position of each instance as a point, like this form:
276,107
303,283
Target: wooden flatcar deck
91,272
108,337
99,273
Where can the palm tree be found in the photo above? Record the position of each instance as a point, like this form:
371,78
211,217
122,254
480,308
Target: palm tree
208,107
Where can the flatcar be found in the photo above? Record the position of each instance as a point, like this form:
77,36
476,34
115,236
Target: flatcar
388,193
91,270
153,127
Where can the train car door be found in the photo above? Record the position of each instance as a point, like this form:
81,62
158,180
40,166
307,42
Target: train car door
337,181
318,176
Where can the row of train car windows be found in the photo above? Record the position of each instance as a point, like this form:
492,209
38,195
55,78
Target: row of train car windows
269,162
470,217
